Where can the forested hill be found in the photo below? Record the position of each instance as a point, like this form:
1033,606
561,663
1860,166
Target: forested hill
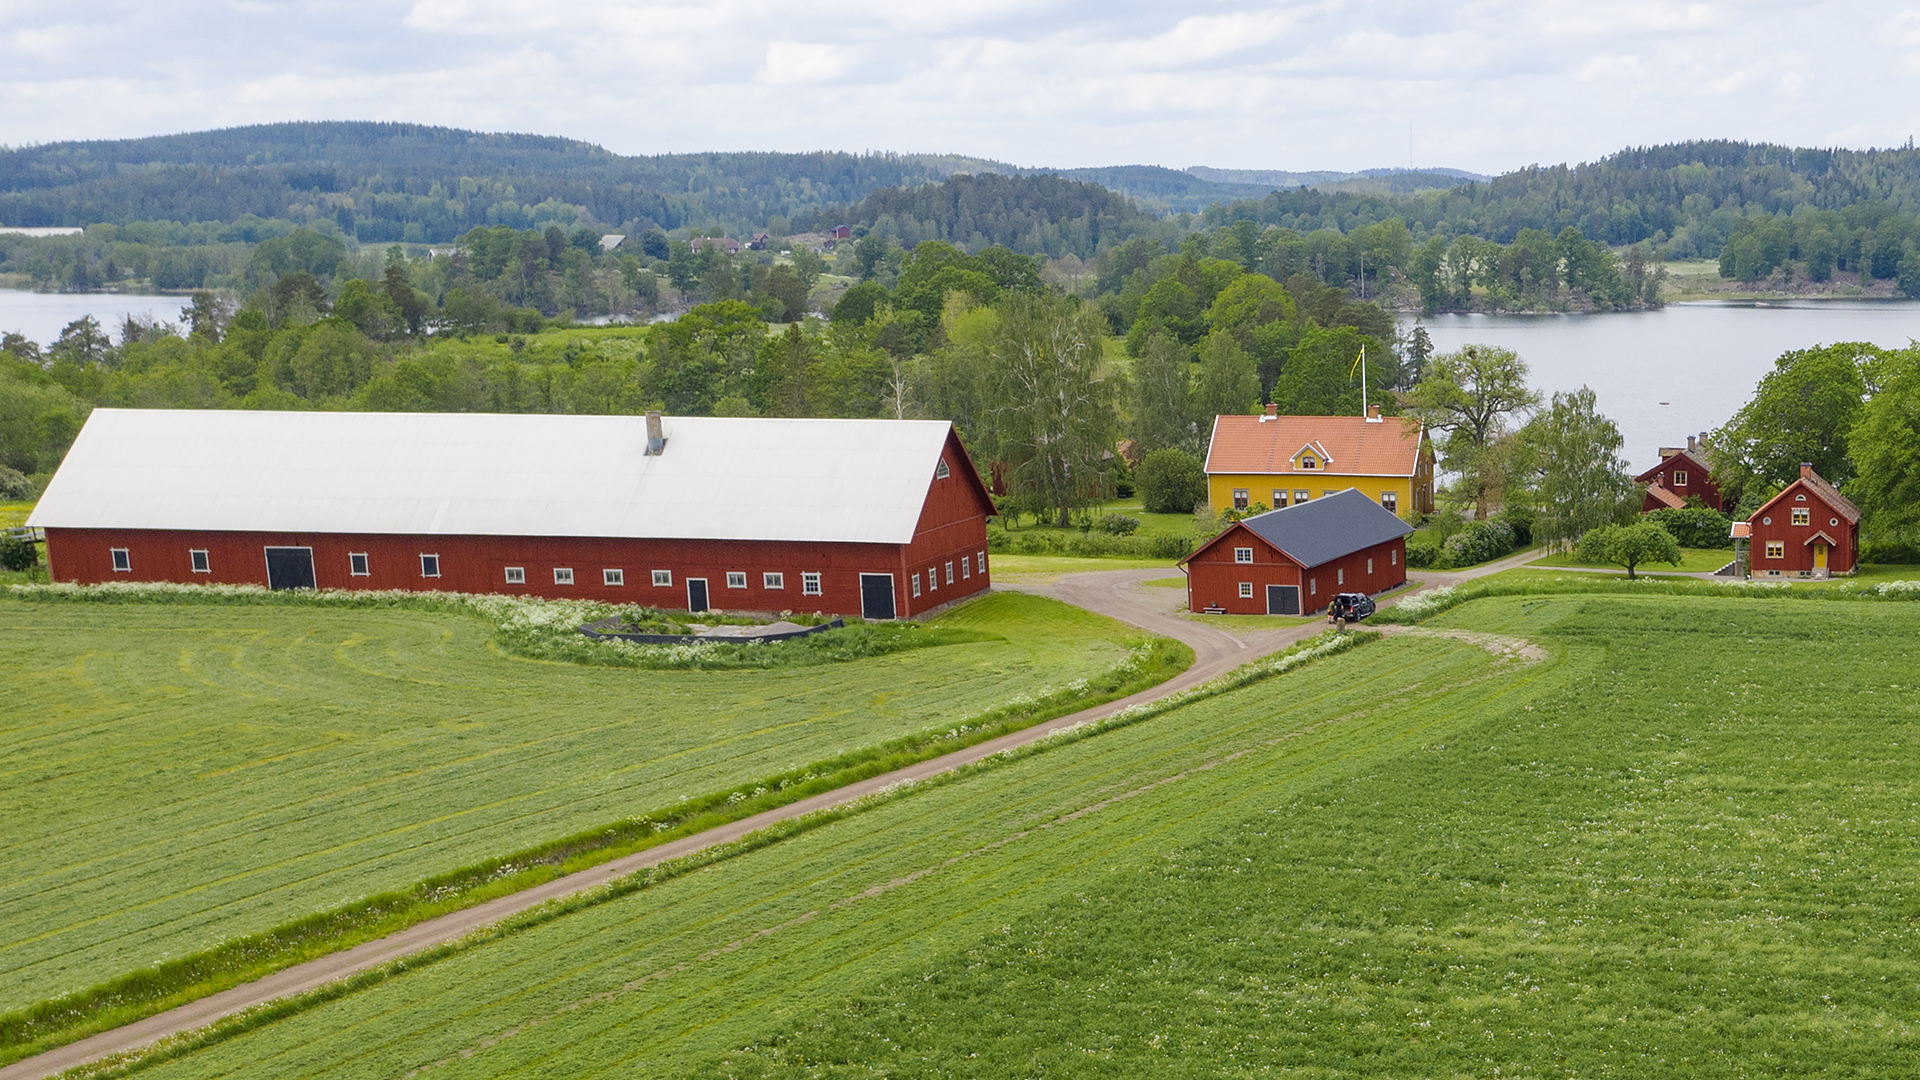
1043,213
410,182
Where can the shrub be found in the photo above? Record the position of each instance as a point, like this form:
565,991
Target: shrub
1169,547
1694,527
1170,482
1480,541
1890,550
1421,556
17,554
15,485
1520,520
1117,524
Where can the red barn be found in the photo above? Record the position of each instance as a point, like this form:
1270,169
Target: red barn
1808,530
1292,561
881,518
1681,474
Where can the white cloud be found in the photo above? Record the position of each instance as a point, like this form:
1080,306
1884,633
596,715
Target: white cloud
1486,84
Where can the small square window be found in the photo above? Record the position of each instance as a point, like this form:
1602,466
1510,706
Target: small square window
1390,502
1279,498
1299,496
1243,555
516,575
916,584
1802,515
736,579
1246,590
429,566
613,577
1679,478
1776,549
563,575
810,584
1239,498
773,581
949,573
357,564
122,564
940,471
663,579
966,567
200,563
1307,462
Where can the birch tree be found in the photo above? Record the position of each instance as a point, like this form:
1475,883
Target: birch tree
1052,402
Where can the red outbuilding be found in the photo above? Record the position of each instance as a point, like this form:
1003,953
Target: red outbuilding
881,518
1681,474
1293,561
1809,530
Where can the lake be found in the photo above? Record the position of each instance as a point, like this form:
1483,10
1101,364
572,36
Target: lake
41,316
1682,369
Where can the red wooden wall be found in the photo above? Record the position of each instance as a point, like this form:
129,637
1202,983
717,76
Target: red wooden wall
1213,578
1822,518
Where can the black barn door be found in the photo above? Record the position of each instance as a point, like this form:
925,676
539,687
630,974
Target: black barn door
289,568
696,595
1283,599
876,596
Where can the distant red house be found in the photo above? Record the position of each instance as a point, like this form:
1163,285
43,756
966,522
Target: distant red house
1681,474
1808,530
758,243
1293,561
840,232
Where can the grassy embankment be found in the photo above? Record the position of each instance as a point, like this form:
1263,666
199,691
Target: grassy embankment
1692,561
183,776
1681,845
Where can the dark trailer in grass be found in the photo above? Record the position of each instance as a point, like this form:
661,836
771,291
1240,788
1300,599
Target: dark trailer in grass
1293,561
878,518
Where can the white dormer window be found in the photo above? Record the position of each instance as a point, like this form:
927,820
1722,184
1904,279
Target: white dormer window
940,471
1307,462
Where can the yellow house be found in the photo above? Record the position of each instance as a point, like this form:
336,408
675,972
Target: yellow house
1277,461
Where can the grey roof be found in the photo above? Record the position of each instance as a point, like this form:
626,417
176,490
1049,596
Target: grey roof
483,474
1321,530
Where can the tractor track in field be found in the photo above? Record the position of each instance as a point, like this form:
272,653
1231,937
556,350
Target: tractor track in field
1118,594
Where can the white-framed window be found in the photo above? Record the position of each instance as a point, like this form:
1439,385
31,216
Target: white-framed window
197,557
980,560
563,575
1339,577
429,566
613,577
1243,555
1239,498
1390,502
949,573
933,579
772,580
966,567
810,584
1766,521
916,584
1313,586
940,471
1803,515
1393,557
1307,462
1246,590
1679,478
1300,495
1369,567
358,565
1833,521
516,575
1776,549
1324,492
663,579
736,579
122,562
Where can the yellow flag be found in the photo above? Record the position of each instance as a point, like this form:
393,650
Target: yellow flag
1356,363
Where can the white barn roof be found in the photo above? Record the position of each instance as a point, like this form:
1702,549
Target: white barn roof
495,475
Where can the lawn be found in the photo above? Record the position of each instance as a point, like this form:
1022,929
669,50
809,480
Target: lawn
1661,851
1692,561
14,513
179,775
1039,569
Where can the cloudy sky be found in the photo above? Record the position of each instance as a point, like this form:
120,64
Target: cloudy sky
1487,85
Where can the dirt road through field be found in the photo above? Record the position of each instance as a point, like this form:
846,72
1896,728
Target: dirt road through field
1119,594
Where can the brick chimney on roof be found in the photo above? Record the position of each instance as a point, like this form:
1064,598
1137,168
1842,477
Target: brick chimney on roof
1806,470
1693,444
1273,411
1373,414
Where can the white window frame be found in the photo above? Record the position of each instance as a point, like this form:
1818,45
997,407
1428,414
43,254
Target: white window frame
122,560
1279,498
940,471
1243,555
563,575
980,560
366,564
611,577
1300,496
1339,577
933,579
915,580
424,556
1679,478
1313,586
736,579
949,572
1393,557
663,579
1390,501
1369,567
1246,590
516,575
810,584
966,567
773,579
1308,461
1240,500
199,561
1776,549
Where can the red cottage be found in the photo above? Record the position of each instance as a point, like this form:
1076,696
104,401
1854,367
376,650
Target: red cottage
881,518
1808,530
1293,561
1680,475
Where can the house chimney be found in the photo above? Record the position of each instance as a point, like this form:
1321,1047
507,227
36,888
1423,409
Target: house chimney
1806,470
656,440
1273,411
1693,444
1373,414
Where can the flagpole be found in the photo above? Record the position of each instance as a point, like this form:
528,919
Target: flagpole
1363,378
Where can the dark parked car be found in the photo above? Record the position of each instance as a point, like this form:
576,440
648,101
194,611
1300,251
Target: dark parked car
1351,606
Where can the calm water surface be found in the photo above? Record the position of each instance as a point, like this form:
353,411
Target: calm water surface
41,316
1683,369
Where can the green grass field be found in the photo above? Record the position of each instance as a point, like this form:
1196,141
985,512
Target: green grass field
179,775
1683,844
1043,568
1692,561
14,513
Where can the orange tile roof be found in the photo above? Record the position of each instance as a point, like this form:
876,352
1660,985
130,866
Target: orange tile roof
1665,496
1352,445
